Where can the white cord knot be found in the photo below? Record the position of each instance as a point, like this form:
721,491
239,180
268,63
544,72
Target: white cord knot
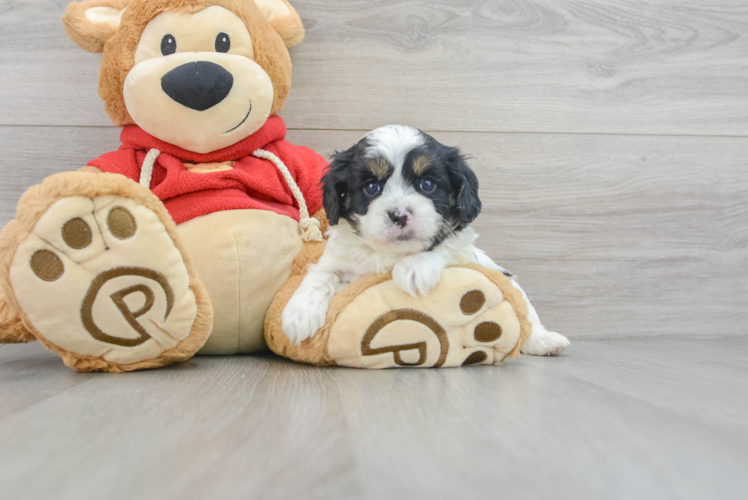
311,229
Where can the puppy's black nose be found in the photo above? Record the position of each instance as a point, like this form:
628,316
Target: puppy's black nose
198,85
399,218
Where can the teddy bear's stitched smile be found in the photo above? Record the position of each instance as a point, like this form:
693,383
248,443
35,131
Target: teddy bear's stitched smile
243,120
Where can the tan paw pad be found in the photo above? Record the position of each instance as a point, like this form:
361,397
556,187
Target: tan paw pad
102,277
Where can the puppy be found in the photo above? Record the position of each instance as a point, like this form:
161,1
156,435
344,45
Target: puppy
397,201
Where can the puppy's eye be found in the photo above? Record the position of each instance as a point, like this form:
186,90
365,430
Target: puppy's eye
427,185
168,45
372,188
223,43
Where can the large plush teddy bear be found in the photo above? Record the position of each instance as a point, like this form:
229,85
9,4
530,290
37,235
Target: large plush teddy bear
194,234
180,239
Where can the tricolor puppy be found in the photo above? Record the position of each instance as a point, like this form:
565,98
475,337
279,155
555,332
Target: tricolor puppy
397,201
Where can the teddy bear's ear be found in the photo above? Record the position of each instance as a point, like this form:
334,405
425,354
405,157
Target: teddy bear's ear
284,20
90,24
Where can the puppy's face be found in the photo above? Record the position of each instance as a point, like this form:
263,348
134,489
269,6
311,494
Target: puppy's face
401,190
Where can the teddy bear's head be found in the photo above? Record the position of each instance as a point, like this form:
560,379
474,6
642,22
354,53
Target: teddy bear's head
199,74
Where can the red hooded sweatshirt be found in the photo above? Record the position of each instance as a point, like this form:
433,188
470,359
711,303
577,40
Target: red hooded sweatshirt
233,178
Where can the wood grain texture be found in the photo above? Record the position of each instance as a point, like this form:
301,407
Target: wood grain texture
26,380
648,418
517,65
611,236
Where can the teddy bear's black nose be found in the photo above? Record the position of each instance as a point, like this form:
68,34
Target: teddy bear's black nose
198,85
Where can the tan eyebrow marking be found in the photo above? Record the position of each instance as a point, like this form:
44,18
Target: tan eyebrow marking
420,164
379,167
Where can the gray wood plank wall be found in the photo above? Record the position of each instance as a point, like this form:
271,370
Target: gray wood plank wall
610,137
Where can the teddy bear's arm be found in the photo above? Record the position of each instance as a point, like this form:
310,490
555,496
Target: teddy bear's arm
321,216
12,330
90,169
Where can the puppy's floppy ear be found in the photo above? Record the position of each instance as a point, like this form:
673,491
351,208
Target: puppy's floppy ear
464,179
91,24
335,185
284,20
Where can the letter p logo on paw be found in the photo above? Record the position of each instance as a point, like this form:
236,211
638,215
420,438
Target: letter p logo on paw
122,300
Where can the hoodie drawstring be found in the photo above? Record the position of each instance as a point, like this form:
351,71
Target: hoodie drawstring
309,224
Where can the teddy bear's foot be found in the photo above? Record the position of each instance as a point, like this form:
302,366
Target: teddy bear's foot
473,316
464,320
100,278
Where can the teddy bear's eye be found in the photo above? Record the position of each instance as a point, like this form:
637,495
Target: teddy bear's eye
168,45
223,43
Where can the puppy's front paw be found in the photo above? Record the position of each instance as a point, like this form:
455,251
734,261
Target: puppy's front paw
545,343
417,274
303,316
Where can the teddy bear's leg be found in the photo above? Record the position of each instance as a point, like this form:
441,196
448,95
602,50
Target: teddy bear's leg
93,266
12,330
243,263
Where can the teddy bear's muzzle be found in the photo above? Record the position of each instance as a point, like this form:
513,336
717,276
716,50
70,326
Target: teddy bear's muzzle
198,85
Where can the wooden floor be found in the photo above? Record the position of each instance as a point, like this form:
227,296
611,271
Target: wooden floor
634,419
611,141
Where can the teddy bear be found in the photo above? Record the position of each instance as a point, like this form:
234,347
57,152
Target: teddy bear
192,236
178,240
